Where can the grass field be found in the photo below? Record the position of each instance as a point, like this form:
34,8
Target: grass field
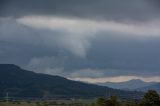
51,103
60,103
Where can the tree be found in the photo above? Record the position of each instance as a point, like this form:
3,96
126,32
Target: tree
112,101
151,98
101,101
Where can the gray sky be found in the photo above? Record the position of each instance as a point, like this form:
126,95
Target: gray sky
88,40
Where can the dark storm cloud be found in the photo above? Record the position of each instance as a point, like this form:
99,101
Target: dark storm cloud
110,53
103,9
115,55
82,38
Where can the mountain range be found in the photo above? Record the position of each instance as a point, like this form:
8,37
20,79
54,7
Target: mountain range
130,85
18,82
151,87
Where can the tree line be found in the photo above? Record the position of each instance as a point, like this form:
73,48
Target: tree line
151,98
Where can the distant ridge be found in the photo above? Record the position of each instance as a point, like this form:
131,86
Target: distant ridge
22,83
130,85
151,87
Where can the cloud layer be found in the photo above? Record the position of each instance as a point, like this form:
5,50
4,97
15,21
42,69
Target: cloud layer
82,40
105,9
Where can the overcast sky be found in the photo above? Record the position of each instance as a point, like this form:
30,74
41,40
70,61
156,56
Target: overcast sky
87,40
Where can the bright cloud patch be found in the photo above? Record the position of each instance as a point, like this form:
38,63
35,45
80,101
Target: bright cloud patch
82,27
116,79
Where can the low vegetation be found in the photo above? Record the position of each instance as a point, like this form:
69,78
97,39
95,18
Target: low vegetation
151,98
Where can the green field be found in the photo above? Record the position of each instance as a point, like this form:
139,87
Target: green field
151,98
59,103
51,103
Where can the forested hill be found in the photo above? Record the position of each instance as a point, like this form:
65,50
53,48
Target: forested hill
22,83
